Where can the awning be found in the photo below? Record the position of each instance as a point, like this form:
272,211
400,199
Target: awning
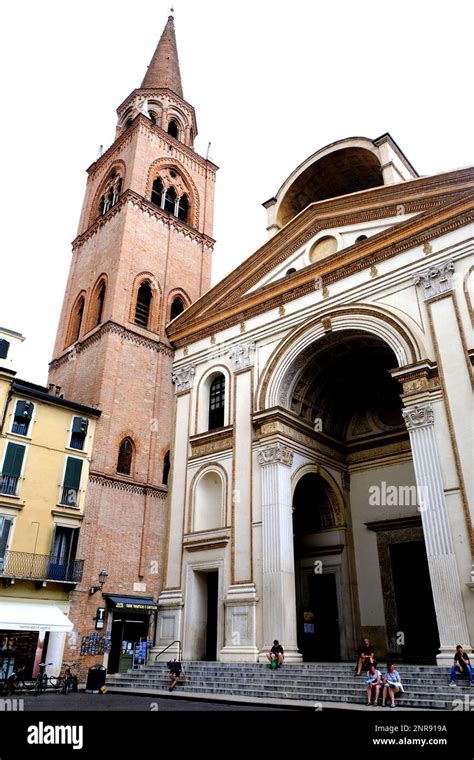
31,616
138,603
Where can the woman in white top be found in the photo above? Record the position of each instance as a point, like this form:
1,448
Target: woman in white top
373,681
392,684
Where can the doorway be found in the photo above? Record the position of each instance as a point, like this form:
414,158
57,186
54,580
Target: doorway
212,580
202,615
318,632
416,615
314,526
127,630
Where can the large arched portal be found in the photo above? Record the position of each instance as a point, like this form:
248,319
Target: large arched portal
360,569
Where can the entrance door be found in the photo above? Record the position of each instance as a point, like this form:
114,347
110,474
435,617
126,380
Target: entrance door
318,624
211,627
416,615
127,630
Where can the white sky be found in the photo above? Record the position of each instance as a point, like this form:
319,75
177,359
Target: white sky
271,82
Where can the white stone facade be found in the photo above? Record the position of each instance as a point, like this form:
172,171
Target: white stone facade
234,488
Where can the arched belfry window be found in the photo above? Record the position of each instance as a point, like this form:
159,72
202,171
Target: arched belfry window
100,303
177,307
125,457
217,402
111,193
76,321
166,468
171,193
173,128
183,208
170,200
157,192
97,306
143,304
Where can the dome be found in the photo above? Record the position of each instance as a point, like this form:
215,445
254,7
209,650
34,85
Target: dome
341,168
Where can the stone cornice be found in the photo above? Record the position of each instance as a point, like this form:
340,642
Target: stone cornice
280,421
211,442
130,196
418,377
108,481
384,245
417,195
111,327
394,524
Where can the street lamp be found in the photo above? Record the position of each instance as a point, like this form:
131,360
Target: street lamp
103,575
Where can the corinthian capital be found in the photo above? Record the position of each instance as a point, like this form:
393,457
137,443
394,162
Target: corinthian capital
183,378
275,452
436,280
242,355
420,415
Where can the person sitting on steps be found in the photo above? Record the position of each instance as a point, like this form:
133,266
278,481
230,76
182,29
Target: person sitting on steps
373,681
461,666
175,668
276,653
366,656
392,684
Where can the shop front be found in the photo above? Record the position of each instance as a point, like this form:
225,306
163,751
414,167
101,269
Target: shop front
31,633
131,622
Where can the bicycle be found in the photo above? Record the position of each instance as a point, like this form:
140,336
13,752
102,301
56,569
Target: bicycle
43,681
69,679
17,683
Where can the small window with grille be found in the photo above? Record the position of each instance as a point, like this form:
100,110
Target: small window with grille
216,403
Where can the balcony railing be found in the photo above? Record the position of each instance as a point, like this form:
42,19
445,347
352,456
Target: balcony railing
20,427
8,485
69,497
40,567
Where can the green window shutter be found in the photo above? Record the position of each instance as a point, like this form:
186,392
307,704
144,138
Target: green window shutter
13,460
72,477
79,425
4,346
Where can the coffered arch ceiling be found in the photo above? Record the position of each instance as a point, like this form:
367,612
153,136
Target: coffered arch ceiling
345,383
343,171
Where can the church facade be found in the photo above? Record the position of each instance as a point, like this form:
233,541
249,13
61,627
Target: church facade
321,480
287,454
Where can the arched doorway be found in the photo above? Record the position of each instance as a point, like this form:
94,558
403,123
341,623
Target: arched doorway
353,577
318,570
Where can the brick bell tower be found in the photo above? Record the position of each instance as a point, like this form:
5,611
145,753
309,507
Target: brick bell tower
142,255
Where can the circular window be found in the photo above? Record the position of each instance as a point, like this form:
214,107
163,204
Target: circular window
323,247
290,271
173,173
361,238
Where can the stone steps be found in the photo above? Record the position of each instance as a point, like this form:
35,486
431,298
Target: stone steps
412,691
426,686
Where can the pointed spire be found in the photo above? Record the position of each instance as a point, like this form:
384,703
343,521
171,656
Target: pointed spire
163,70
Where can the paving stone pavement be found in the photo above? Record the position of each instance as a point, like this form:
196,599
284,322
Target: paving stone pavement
82,702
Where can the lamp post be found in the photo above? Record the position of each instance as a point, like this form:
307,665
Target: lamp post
103,575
